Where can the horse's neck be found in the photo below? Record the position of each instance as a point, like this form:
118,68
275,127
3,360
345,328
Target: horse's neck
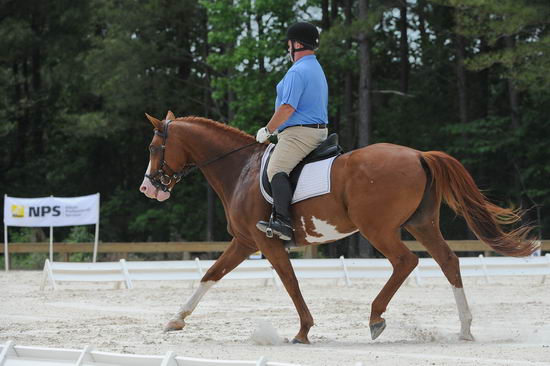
210,142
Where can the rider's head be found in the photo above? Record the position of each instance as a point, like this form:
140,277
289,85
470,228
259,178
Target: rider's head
302,36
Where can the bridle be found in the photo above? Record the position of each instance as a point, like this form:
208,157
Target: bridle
160,179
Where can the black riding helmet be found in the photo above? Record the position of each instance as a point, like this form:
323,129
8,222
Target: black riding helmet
305,33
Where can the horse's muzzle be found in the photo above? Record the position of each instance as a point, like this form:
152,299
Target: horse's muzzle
152,192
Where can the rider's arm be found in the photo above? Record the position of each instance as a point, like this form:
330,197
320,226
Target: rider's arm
281,115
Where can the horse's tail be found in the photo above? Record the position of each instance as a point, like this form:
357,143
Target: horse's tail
456,186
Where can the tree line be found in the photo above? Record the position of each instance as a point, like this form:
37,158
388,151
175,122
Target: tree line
469,77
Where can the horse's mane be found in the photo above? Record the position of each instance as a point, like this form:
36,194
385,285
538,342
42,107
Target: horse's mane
216,124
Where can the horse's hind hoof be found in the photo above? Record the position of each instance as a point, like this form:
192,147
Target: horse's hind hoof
298,341
467,337
377,329
174,325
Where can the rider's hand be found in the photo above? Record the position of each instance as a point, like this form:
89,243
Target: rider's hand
262,135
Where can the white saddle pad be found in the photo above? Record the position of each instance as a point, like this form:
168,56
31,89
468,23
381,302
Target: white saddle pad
314,179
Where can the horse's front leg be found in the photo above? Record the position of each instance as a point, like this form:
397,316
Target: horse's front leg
274,251
231,258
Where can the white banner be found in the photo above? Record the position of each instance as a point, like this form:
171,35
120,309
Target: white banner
51,211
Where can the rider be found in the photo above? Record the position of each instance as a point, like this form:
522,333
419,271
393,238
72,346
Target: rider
300,122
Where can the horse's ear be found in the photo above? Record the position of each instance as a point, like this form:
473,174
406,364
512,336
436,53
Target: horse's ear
170,116
155,122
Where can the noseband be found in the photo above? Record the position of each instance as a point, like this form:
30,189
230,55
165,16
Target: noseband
160,179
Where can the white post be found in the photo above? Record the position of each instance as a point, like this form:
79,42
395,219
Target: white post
96,241
275,278
262,361
417,275
6,254
48,269
84,356
51,243
547,256
345,269
199,269
484,268
169,359
7,350
126,274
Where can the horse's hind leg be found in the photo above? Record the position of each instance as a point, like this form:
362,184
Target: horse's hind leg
427,232
230,259
403,262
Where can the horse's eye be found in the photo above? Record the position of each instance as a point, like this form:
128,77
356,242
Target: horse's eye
153,149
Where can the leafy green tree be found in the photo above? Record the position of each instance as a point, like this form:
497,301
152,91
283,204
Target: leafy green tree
523,27
512,37
248,56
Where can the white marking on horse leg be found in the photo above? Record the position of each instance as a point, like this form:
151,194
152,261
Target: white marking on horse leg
323,230
177,322
193,301
463,313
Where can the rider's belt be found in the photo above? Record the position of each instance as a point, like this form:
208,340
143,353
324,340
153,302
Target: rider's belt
313,125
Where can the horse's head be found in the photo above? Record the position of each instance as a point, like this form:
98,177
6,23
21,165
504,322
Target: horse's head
167,164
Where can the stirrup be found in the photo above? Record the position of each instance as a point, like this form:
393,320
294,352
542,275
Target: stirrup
269,229
283,230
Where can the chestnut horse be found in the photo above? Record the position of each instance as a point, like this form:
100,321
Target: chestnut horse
376,190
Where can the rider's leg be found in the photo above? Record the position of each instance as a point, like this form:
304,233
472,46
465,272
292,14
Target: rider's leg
294,144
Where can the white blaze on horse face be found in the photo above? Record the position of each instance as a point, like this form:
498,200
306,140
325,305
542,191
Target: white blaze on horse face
323,230
146,187
193,301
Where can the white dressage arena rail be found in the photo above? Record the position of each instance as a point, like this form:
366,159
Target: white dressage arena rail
127,273
12,355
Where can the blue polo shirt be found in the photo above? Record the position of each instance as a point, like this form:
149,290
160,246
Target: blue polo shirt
305,88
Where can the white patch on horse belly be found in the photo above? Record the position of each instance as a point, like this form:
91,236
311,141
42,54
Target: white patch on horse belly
325,231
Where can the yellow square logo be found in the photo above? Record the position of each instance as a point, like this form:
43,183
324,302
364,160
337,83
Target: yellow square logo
17,211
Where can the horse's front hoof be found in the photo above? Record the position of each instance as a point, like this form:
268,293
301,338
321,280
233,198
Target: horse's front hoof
300,341
377,328
174,325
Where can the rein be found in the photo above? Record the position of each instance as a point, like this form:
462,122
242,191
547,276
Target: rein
223,155
161,180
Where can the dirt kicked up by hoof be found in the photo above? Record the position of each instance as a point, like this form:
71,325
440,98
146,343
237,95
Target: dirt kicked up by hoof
377,329
174,325
266,335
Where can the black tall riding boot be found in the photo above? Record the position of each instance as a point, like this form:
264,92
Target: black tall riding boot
280,222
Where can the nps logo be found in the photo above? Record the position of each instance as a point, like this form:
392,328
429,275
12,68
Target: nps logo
35,211
17,211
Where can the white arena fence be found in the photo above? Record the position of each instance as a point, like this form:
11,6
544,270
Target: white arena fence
127,273
12,355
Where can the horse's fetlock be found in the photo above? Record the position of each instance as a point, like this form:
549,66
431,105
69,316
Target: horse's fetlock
181,315
307,323
376,312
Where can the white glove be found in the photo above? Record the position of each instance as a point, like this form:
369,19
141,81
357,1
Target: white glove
262,135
